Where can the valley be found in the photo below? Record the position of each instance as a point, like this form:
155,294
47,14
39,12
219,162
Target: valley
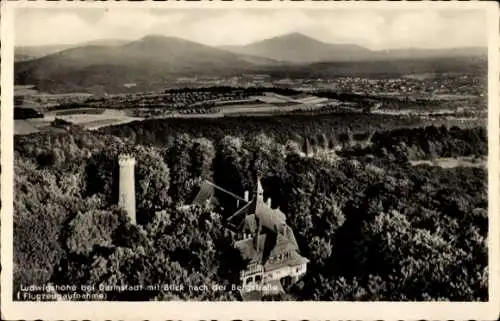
454,100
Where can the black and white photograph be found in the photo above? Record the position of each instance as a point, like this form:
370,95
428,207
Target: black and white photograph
250,153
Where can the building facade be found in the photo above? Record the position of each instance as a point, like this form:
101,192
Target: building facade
269,249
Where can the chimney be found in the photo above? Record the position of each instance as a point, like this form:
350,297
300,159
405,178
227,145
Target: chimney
284,230
246,196
256,238
127,186
260,191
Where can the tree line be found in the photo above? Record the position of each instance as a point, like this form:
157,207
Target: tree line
373,229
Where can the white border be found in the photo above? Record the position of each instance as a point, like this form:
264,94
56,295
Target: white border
248,310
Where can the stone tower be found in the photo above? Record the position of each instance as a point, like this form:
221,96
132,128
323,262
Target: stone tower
127,185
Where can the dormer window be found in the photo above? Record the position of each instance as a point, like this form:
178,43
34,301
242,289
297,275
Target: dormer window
284,230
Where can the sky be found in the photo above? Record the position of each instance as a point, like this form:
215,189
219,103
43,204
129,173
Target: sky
375,29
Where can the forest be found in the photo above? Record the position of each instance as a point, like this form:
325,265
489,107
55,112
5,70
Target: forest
373,226
281,127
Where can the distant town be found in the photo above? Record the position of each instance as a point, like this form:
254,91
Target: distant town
256,94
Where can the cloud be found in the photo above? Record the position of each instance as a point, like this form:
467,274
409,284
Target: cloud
375,29
239,27
44,27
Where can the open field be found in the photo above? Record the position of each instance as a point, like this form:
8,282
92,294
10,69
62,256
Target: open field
99,117
93,121
451,162
218,102
89,118
77,111
24,127
265,108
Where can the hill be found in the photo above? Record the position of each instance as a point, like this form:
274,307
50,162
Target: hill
384,68
147,62
417,53
300,49
25,53
151,62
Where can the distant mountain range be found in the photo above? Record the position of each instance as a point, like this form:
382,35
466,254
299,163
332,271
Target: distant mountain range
290,48
24,53
298,48
150,60
106,65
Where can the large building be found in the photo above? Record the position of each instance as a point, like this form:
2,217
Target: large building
266,244
269,249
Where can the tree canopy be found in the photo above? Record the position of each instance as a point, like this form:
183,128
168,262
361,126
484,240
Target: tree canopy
374,226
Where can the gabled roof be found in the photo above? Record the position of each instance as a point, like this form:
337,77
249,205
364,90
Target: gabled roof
248,251
271,244
271,219
275,237
206,192
285,241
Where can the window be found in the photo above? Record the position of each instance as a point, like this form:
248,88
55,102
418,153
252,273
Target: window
258,278
297,269
248,280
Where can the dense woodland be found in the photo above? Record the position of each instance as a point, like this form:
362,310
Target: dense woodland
281,128
373,226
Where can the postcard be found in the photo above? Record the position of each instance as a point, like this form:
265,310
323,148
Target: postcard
250,160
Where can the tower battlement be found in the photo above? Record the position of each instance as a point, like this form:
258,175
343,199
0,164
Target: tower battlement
126,159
